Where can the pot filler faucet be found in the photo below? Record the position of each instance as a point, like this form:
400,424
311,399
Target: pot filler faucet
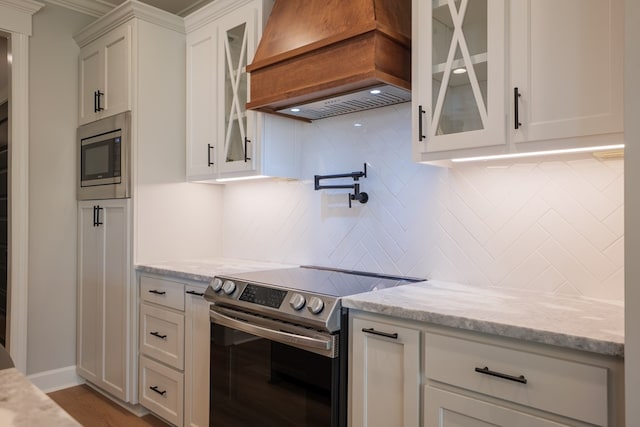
358,195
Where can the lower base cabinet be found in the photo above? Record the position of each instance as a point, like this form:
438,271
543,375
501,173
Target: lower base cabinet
384,374
174,350
405,373
447,409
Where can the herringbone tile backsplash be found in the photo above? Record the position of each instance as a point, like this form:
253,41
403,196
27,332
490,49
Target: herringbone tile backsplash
552,225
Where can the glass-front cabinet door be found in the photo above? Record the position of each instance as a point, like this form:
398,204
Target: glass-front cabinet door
458,74
237,126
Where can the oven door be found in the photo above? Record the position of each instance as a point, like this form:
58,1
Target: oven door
272,374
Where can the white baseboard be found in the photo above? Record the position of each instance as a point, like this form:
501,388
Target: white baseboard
56,379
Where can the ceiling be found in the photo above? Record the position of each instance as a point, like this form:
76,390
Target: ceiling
98,8
177,7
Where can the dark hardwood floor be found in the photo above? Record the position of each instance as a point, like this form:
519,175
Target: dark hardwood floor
91,409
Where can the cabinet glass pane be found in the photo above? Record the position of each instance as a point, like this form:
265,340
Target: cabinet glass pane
235,92
459,59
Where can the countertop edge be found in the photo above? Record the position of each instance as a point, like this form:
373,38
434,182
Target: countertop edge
540,336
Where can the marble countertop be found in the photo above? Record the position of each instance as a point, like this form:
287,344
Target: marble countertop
578,323
205,270
23,405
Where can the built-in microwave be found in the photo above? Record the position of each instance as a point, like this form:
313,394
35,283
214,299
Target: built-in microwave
104,166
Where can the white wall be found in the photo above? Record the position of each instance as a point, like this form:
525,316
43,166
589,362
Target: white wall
632,213
547,226
52,182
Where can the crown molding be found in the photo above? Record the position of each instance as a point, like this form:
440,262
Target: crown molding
15,15
211,12
125,12
95,8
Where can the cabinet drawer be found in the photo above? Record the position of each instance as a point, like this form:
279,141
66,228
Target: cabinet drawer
558,386
161,390
163,292
162,335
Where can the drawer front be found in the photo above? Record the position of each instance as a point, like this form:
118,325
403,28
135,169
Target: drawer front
562,387
161,390
163,292
162,335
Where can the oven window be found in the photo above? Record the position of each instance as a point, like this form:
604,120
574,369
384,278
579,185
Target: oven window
257,382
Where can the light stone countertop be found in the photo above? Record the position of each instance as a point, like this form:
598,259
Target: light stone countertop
205,270
577,323
23,405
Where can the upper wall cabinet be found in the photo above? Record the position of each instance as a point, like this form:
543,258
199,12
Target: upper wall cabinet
105,75
546,75
458,74
224,139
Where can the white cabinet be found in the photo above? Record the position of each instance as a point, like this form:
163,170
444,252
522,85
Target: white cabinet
446,409
458,58
566,388
545,75
566,60
125,53
406,373
103,323
224,139
384,373
174,350
105,75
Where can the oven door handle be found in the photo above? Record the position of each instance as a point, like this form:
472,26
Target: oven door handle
271,334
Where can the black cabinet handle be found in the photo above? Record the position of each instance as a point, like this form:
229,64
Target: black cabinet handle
246,141
382,334
486,371
98,95
157,390
159,335
209,162
421,112
516,101
199,294
95,101
98,209
94,215
153,291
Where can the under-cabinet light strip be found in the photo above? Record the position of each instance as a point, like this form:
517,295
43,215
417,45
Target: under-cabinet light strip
241,178
539,153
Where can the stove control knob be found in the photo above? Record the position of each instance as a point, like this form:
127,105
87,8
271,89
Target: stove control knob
315,305
228,287
216,284
297,302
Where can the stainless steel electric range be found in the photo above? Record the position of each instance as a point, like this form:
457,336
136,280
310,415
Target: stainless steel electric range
278,347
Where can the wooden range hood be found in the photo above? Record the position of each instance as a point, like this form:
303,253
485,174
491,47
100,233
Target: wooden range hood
324,57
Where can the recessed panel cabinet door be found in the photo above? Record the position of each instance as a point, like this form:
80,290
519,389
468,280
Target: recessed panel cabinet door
103,286
566,62
202,117
447,409
90,82
117,71
384,371
458,74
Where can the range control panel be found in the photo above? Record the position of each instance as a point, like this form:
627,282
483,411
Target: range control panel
319,311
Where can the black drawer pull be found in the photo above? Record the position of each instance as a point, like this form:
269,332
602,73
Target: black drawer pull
153,291
382,334
521,379
195,293
155,388
159,335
